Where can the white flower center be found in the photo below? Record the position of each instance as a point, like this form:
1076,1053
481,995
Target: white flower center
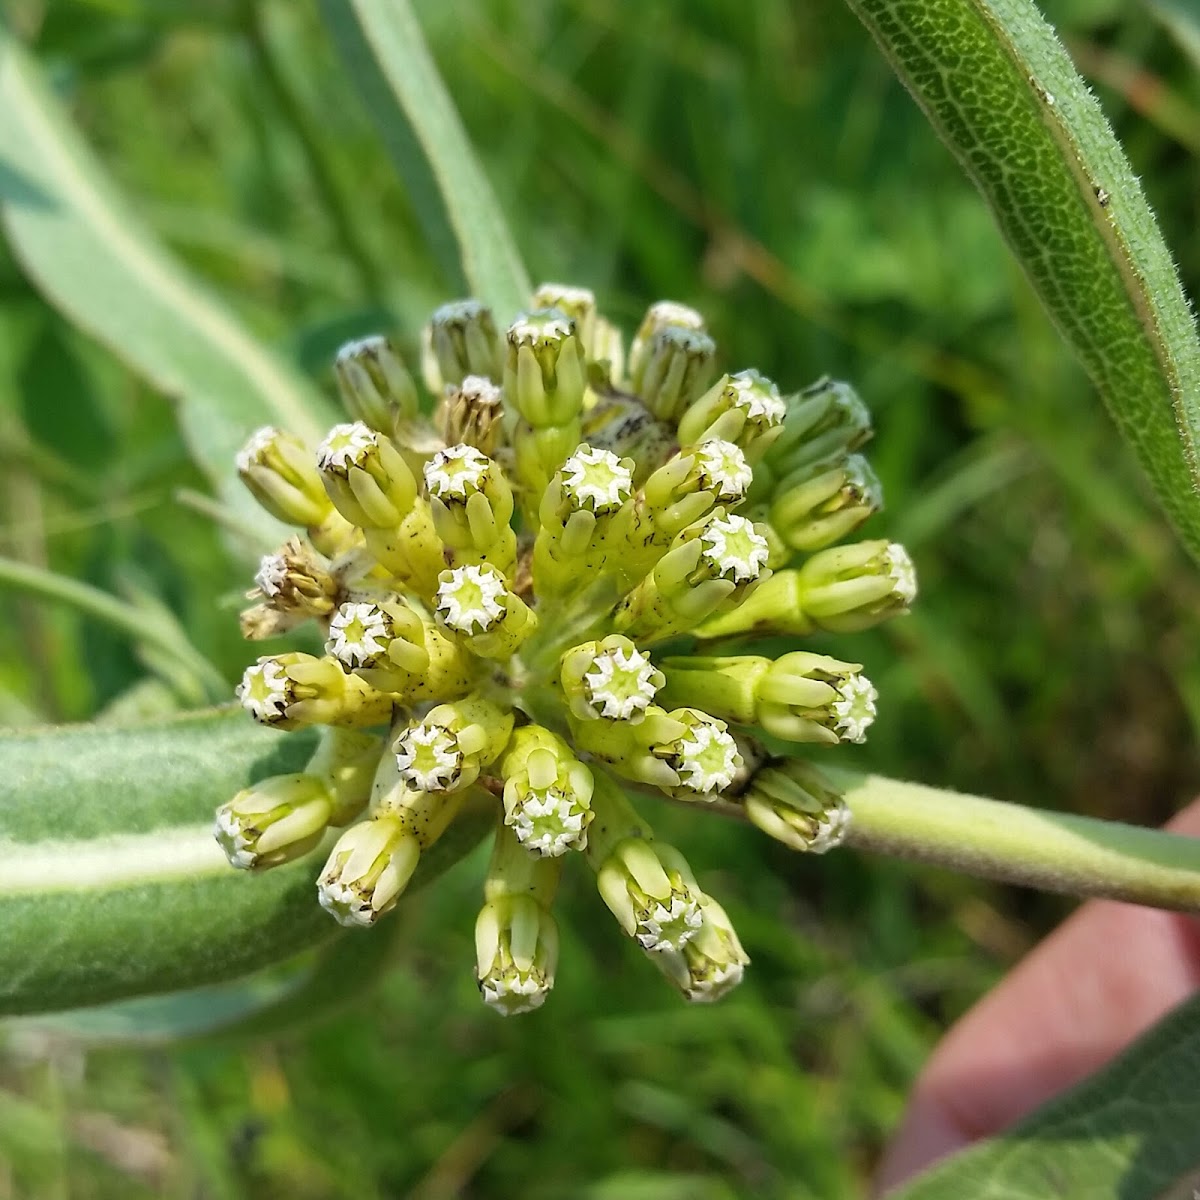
347,903
481,391
708,759
458,312
549,824
862,484
717,981
723,469
734,548
831,830
670,926
428,757
513,991
257,445
620,683
265,691
272,573
904,574
457,471
670,312
855,708
346,446
472,597
372,344
234,839
359,635
598,477
540,329
564,296
758,397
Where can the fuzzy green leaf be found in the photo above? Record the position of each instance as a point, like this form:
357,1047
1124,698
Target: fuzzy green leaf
1001,91
111,884
389,61
89,254
1132,1132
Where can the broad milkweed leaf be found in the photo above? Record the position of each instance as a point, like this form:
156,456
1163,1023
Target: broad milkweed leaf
111,884
86,251
1000,90
385,51
1132,1132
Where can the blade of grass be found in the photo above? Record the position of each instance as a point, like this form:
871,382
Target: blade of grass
87,252
389,61
154,628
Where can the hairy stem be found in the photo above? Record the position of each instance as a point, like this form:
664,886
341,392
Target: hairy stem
1057,852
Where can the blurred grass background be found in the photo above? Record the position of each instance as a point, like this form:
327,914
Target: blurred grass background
760,162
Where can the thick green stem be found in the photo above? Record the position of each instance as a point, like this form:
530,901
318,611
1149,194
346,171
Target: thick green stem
1057,852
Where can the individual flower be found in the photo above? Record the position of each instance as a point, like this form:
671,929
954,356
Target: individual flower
546,587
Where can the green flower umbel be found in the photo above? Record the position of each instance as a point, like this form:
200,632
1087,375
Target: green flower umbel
545,584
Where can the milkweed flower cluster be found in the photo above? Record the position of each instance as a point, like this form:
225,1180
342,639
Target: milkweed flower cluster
548,589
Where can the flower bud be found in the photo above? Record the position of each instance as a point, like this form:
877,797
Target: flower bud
476,607
745,408
679,494
375,386
648,886
275,821
462,340
396,650
821,504
547,793
516,938
545,372
823,424
446,751
802,697
842,589
585,515
846,588
794,803
713,963
471,413
675,371
685,753
276,468
575,302
711,566
665,314
516,954
289,691
610,679
294,584
704,756
368,870
472,505
366,477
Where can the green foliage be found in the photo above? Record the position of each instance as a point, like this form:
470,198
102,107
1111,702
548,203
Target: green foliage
112,883
89,254
1132,1132
1001,91
757,161
385,53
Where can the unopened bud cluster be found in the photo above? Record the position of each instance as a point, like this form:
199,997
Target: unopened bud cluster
547,586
